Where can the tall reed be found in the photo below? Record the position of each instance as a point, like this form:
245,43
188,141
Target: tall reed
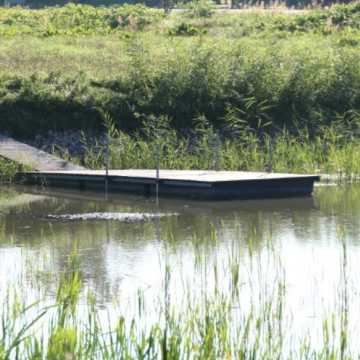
326,153
207,322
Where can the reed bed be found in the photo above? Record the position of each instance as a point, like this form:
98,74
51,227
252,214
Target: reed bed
217,318
329,153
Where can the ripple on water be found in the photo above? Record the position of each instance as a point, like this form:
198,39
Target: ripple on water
118,216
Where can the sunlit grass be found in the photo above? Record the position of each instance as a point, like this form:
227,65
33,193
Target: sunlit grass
283,153
292,71
276,76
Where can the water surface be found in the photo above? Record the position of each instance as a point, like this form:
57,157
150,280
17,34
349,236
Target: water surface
124,241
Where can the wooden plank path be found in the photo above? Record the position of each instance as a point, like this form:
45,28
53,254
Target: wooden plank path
34,158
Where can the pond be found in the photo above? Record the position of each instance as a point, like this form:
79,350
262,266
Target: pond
128,245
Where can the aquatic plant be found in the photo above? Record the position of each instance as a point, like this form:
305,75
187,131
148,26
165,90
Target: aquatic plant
206,149
216,320
8,169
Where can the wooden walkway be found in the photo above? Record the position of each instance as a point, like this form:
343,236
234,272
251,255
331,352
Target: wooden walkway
34,158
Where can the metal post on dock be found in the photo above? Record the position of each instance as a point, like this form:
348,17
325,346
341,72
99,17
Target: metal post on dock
107,155
270,160
157,172
270,156
216,151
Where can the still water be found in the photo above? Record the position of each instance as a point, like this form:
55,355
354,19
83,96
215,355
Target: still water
124,241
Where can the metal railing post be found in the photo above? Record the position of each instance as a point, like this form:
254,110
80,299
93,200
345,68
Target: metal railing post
216,150
157,172
107,155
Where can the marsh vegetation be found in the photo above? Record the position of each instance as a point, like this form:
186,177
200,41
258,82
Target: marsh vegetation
242,91
253,78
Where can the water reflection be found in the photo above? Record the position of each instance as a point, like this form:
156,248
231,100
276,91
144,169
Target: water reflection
118,257
25,218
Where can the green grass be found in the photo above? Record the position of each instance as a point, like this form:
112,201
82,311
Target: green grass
294,71
76,20
328,153
250,76
8,169
212,323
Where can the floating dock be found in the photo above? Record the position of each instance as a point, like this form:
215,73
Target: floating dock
196,184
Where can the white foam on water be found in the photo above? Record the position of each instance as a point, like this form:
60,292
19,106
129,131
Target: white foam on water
118,216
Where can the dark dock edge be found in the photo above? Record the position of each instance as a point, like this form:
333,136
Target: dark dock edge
218,190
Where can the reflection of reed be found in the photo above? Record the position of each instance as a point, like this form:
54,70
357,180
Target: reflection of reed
226,273
9,198
248,223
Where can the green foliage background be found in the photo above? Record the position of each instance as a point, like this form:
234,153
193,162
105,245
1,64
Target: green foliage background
60,65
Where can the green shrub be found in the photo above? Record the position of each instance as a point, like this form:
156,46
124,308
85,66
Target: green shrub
199,8
75,19
292,78
134,16
185,29
8,169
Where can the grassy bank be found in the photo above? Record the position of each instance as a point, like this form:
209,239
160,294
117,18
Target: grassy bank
205,148
255,78
60,65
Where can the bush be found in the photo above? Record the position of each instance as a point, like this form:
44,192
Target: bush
76,20
199,8
133,16
265,69
185,29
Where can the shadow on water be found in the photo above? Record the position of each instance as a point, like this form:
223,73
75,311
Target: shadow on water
48,212
174,205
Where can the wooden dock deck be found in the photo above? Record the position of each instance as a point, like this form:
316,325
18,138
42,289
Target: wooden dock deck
53,171
179,183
